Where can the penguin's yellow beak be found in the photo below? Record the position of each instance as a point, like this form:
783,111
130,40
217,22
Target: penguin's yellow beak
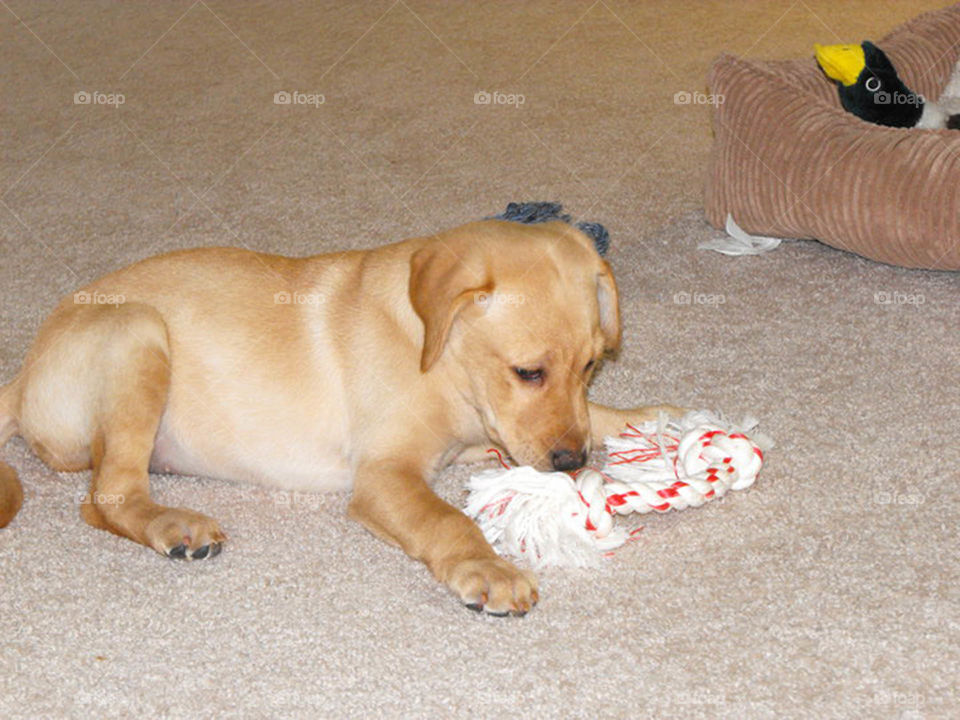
843,63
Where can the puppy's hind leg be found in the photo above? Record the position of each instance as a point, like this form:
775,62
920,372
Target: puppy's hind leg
134,396
107,370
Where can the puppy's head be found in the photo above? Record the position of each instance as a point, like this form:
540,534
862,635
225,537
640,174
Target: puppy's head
520,315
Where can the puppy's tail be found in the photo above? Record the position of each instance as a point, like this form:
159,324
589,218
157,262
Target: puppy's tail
11,492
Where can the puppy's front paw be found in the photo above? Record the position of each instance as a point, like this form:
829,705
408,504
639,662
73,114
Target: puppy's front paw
494,586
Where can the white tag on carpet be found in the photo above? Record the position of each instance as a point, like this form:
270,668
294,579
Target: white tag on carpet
740,242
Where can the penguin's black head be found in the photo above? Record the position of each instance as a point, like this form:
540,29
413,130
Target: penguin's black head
869,86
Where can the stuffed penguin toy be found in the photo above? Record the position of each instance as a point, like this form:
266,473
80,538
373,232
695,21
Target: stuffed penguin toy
870,88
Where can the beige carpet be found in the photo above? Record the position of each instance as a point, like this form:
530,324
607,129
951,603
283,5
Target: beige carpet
828,590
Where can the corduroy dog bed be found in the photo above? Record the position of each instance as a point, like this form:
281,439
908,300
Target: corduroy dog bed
788,161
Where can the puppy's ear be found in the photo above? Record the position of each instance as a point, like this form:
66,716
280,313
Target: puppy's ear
442,285
608,303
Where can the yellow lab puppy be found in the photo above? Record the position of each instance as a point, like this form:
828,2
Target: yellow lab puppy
366,370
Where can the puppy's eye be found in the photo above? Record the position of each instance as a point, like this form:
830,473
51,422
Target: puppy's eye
588,367
531,375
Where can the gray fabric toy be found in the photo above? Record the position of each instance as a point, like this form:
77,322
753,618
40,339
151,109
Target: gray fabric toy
538,212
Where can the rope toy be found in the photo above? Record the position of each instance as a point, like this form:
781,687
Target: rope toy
555,519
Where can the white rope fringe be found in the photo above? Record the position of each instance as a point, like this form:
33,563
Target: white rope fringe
553,519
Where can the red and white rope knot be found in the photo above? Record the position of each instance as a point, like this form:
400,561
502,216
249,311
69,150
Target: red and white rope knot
660,471
660,465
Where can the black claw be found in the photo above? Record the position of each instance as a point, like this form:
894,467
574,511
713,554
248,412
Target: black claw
178,553
476,607
215,549
201,553
498,614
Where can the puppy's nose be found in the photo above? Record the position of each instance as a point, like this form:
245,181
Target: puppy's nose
564,460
